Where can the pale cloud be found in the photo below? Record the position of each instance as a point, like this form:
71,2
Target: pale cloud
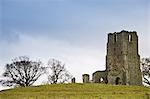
78,59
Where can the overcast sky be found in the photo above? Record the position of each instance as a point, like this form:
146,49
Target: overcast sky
72,31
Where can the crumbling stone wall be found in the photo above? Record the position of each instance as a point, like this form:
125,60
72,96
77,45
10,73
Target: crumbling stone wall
86,78
73,80
99,77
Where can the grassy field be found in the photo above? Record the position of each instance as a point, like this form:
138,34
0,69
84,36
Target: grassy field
77,91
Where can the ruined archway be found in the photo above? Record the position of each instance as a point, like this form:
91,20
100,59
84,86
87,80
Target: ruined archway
101,80
100,77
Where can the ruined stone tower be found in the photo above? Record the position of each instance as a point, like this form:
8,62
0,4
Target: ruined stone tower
122,59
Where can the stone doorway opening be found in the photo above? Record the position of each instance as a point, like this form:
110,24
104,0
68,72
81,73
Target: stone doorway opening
118,81
101,80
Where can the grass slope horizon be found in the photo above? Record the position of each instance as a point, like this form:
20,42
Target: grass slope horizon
77,91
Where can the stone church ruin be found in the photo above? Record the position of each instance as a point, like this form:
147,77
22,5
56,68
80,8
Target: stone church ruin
122,61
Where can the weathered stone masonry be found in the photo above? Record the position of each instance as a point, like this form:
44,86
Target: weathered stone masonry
122,60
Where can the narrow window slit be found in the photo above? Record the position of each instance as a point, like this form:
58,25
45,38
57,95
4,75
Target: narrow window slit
115,38
130,38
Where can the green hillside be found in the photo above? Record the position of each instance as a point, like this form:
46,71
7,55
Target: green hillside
77,91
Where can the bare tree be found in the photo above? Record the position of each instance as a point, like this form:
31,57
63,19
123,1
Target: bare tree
145,66
22,72
58,72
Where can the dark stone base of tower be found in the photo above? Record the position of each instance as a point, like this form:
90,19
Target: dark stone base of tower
122,60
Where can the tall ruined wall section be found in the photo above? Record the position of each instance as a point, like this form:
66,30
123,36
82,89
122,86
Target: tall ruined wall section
122,59
99,77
